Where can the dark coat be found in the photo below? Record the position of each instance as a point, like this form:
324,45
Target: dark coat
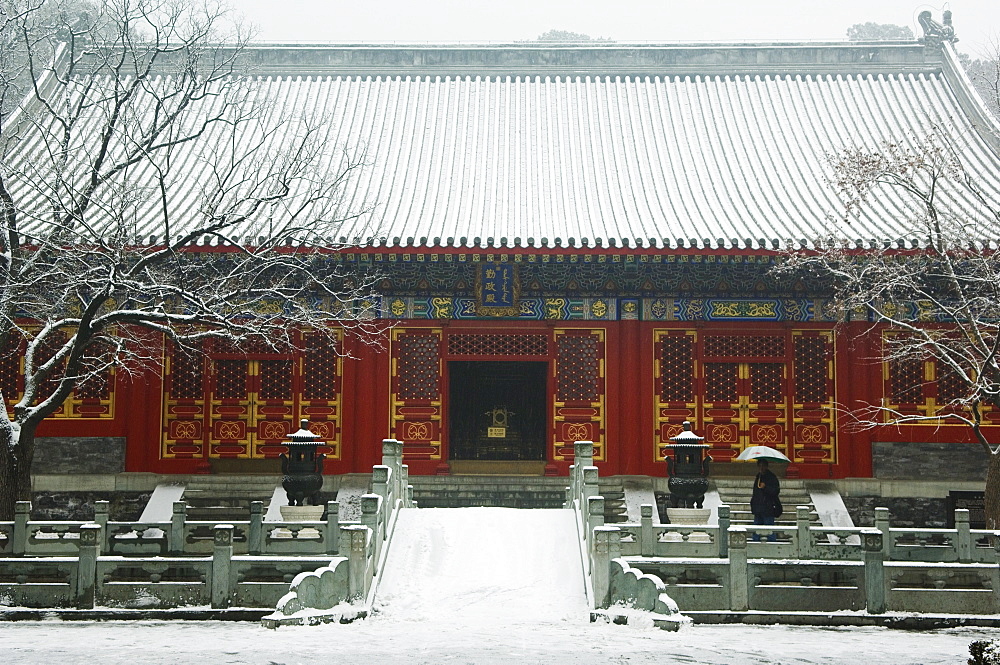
764,501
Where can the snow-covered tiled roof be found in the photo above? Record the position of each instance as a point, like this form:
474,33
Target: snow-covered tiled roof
612,146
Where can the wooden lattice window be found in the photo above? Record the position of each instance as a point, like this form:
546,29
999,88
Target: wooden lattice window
722,382
97,381
745,346
812,356
579,370
43,353
94,386
951,387
469,344
677,368
766,383
10,367
230,379
319,369
906,380
186,375
419,371
276,379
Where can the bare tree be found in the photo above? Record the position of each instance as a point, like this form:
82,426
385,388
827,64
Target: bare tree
865,32
568,36
932,292
149,192
984,72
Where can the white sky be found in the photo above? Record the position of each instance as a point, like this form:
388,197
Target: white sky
977,22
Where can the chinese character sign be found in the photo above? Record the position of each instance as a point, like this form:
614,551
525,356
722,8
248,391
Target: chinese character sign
497,289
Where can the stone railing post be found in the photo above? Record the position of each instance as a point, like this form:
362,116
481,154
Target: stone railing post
86,570
583,454
388,452
370,506
605,548
571,489
739,593
178,515
590,487
102,513
882,524
647,543
392,457
803,538
381,475
331,538
724,522
995,571
410,503
222,558
595,515
22,509
369,512
255,532
403,477
871,543
963,535
354,543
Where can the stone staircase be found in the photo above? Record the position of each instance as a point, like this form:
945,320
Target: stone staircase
736,492
613,491
222,498
463,491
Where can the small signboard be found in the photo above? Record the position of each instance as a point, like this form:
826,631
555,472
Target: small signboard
497,289
496,432
972,501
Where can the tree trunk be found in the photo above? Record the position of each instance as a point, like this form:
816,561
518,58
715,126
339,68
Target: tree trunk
992,494
15,468
8,484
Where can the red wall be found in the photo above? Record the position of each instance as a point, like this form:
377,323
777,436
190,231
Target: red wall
629,415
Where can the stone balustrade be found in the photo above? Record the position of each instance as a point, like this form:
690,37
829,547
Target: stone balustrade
178,537
805,568
248,563
805,541
344,589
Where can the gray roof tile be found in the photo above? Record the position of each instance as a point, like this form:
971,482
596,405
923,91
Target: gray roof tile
601,160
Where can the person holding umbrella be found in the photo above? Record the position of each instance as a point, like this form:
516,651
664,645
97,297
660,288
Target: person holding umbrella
764,503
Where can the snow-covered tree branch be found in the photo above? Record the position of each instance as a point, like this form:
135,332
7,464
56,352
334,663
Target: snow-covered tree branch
149,191
932,292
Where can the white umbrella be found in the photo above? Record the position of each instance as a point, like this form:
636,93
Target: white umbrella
754,453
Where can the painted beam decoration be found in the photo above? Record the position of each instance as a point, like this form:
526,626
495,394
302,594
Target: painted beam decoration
561,308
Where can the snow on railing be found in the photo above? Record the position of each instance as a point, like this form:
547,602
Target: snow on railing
182,562
617,590
781,568
344,589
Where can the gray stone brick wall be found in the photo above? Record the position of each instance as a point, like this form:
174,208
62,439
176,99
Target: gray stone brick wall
124,506
79,454
938,461
904,512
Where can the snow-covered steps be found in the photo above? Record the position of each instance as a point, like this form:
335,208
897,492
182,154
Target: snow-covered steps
472,565
613,491
736,493
511,491
501,491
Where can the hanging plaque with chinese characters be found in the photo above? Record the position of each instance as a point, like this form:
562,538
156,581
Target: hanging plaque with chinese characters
497,289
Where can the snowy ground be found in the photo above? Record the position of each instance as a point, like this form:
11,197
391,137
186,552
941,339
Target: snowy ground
382,640
508,591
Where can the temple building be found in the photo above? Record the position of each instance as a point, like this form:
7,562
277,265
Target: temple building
572,242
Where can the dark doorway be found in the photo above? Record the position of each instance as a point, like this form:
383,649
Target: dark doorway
497,410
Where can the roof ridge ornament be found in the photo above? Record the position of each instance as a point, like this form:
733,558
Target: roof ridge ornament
936,33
